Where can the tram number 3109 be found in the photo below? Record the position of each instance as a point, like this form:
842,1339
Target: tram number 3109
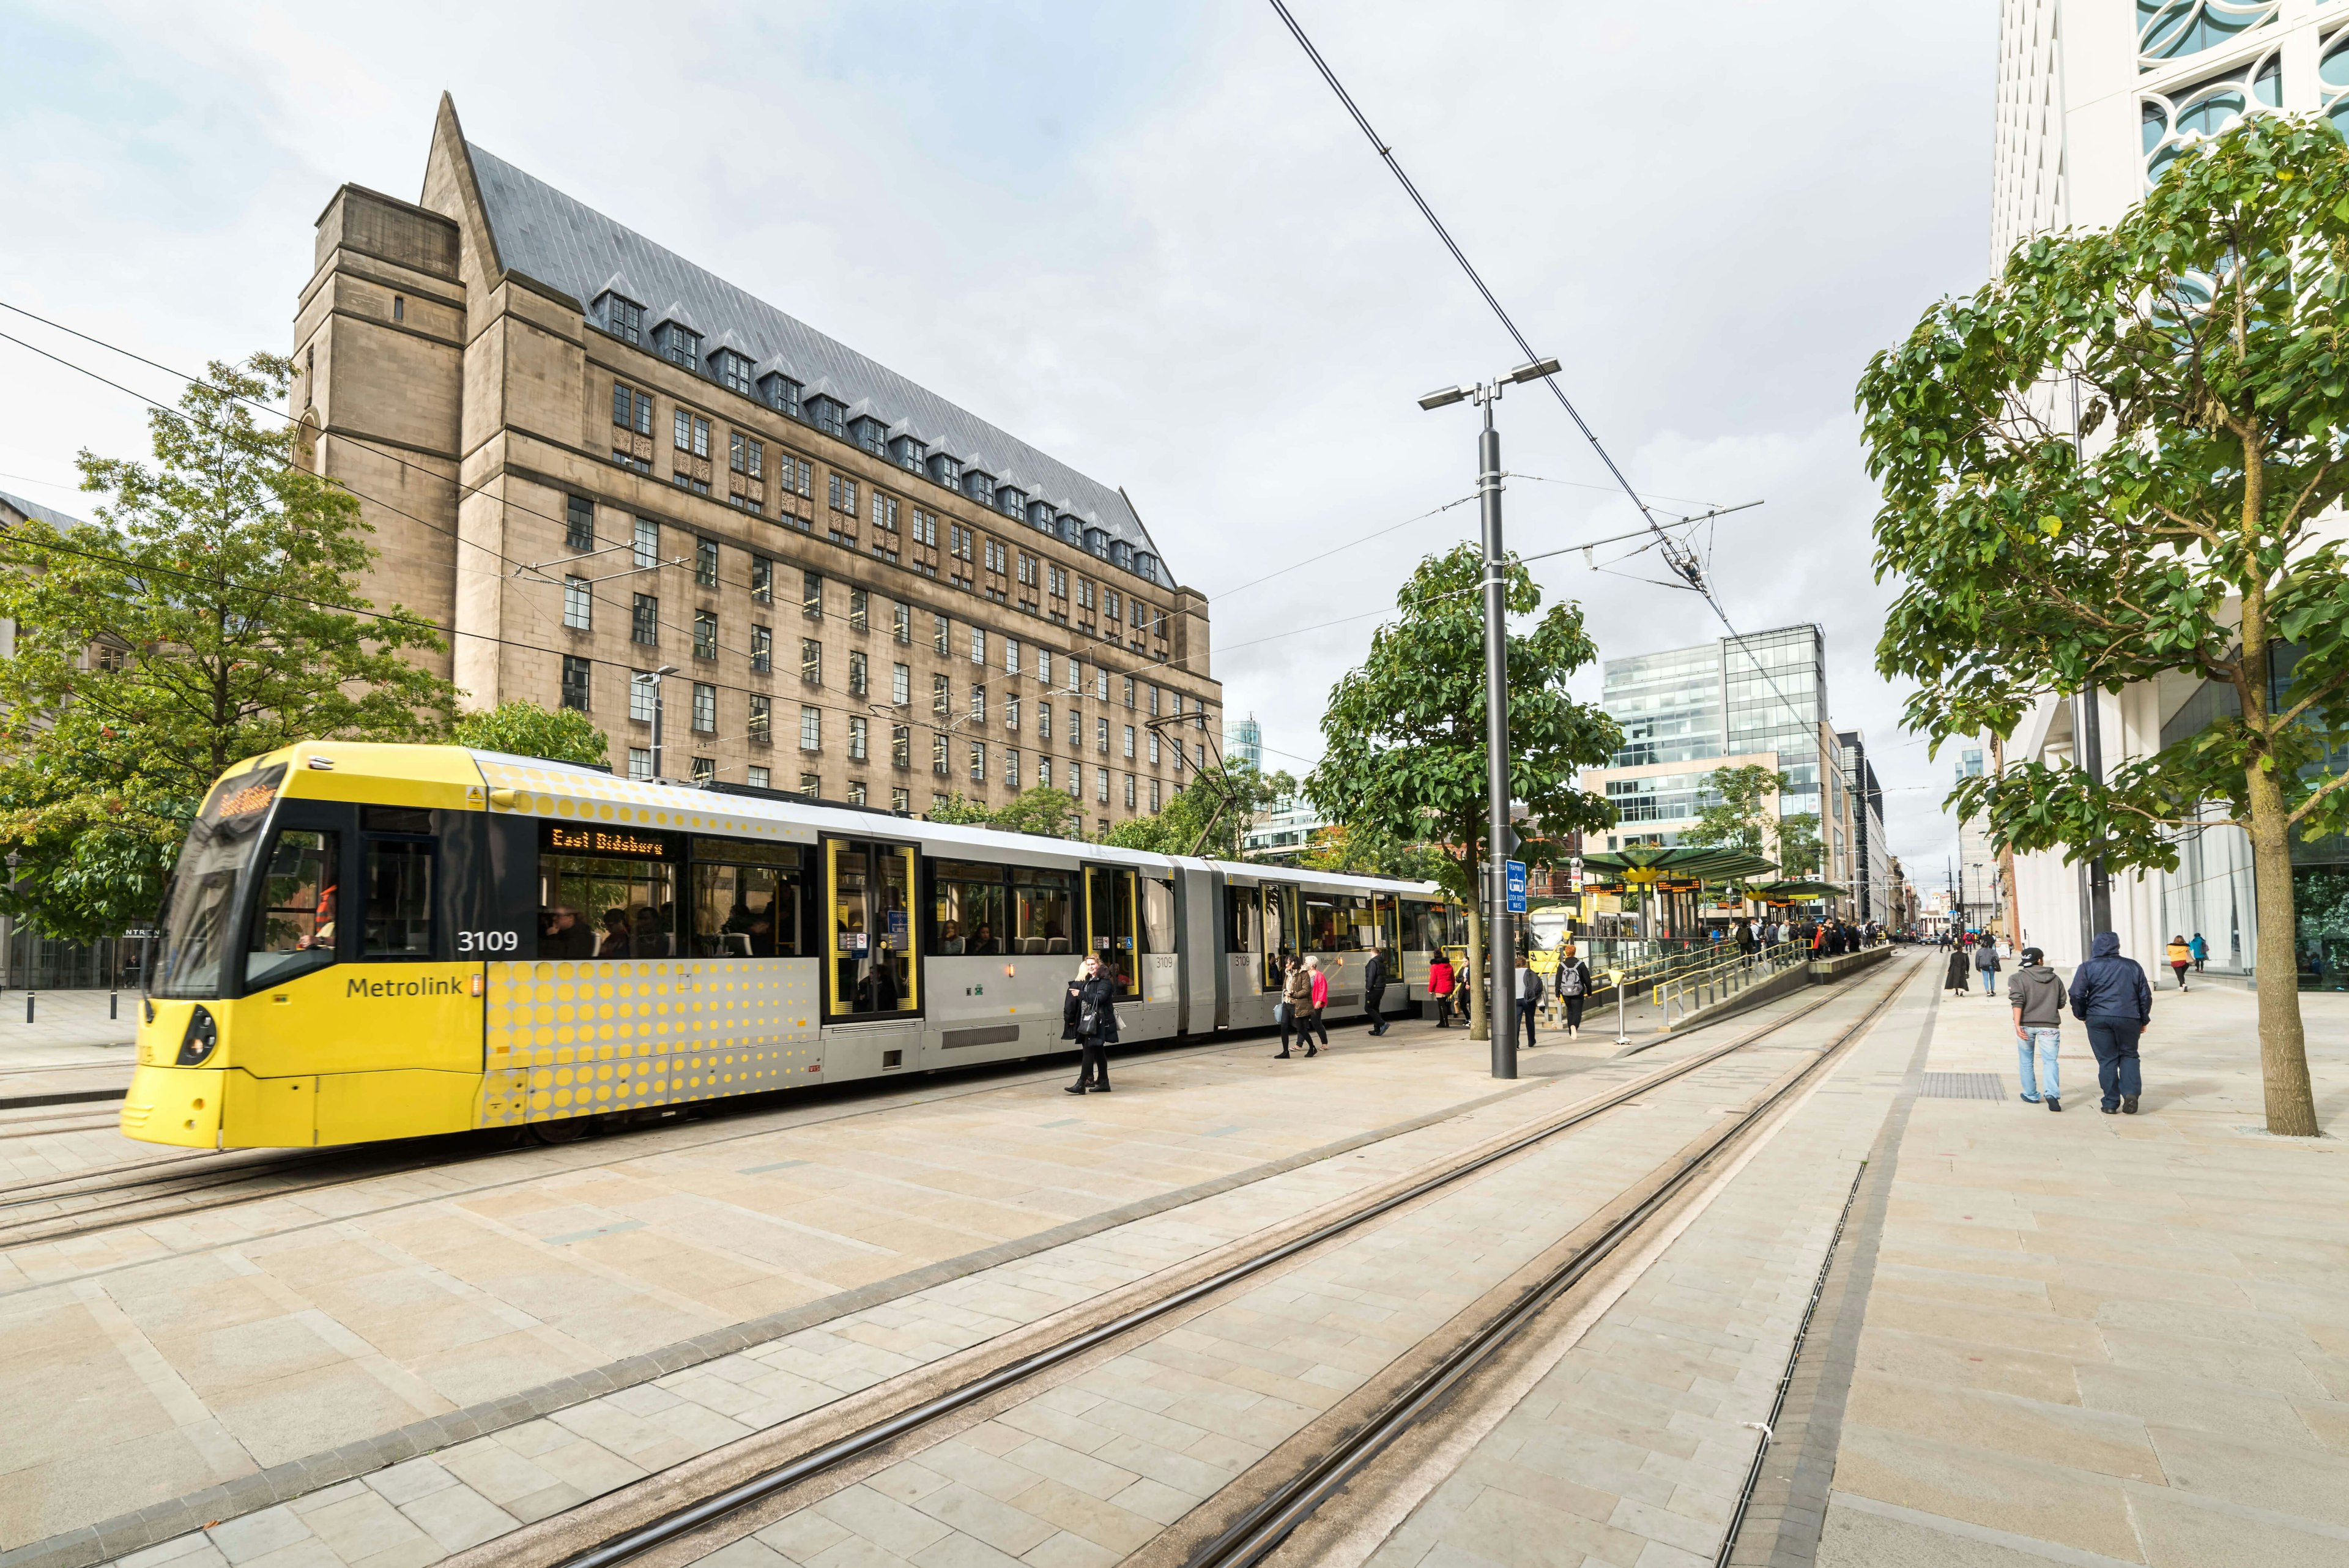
489,942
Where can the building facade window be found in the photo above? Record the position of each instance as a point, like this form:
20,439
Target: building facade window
705,562
1100,736
1129,742
938,695
705,708
977,646
856,674
859,609
644,621
938,755
640,763
811,661
811,594
733,372
901,621
812,785
632,410
705,634
679,344
704,769
577,676
978,763
578,605
901,684
811,728
1156,804
579,526
844,494
1043,721
746,455
1129,792
692,434
756,778
762,719
901,801
762,650
901,745
978,704
644,691
644,551
1100,786
762,580
856,730
624,318
925,528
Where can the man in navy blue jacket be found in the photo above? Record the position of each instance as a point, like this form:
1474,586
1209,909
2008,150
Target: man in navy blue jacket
2111,995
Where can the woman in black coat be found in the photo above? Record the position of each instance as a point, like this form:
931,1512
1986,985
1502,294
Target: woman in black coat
1089,1017
1957,980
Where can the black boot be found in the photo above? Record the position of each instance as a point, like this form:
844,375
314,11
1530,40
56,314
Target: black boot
1076,1089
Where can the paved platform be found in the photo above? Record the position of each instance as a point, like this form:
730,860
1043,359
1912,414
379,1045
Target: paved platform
2045,1338
243,1356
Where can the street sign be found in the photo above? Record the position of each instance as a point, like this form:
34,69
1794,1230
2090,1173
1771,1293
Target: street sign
1516,887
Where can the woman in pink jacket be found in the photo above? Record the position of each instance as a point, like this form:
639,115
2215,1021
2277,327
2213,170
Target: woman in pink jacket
1311,1019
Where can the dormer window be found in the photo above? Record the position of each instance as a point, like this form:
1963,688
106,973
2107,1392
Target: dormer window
1121,552
1097,542
980,486
678,344
1011,502
779,392
624,318
830,415
733,370
909,453
870,434
945,470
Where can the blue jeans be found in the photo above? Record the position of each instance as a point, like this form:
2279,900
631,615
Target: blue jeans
1990,981
2041,1043
2113,1040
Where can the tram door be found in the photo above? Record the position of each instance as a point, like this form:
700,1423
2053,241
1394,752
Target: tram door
1111,926
1280,938
869,890
1386,915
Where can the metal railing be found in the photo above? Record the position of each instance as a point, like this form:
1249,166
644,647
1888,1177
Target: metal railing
1725,978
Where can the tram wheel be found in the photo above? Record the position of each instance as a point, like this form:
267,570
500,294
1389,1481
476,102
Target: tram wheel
563,1129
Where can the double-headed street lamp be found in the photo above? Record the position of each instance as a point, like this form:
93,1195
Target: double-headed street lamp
1503,947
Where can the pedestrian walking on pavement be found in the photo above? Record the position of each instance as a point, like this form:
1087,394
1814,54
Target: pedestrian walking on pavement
1956,979
1089,1017
1316,997
1986,963
2202,950
2182,959
1529,996
1374,989
1439,986
1295,994
1573,981
2037,994
2111,996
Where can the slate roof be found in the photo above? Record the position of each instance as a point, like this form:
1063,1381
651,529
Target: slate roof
560,241
34,509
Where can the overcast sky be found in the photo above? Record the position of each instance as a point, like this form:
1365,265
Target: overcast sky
1145,238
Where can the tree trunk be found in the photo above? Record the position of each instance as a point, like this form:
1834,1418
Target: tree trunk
2005,854
1480,1027
2283,1039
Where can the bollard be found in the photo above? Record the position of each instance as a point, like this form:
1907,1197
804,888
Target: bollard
113,1005
28,1007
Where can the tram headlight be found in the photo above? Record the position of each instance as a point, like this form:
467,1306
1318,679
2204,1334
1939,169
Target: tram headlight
201,1037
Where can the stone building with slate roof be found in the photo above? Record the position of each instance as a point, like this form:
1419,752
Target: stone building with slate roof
591,460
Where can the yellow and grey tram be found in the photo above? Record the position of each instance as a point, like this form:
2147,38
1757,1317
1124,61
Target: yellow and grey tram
370,941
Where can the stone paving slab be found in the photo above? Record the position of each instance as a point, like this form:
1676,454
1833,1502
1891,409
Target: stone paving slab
281,1345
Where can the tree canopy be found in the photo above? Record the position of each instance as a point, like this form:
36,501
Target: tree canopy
523,729
2166,529
1219,802
1403,735
208,614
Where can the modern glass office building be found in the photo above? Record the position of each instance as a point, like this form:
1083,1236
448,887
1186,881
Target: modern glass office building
1759,698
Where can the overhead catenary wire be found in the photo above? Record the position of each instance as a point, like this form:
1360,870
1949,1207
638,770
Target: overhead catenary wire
1683,562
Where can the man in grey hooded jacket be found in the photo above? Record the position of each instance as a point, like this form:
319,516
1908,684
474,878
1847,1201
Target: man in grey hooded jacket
2112,996
2038,997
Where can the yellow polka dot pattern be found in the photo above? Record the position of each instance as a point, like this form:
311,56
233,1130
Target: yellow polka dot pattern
560,795
577,1039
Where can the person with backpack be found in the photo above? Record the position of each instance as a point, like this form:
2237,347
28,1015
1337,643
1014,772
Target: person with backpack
1986,962
2200,949
1439,986
1573,987
1089,1017
1529,995
1374,988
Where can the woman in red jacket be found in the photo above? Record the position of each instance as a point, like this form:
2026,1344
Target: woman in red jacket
1439,986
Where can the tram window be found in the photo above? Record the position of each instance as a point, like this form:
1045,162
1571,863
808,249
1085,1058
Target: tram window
1157,916
1418,935
1243,921
1040,910
395,819
745,910
1278,935
965,908
199,933
595,906
1338,923
399,900
294,924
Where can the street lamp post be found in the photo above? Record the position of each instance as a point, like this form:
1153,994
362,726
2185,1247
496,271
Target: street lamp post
1501,944
653,678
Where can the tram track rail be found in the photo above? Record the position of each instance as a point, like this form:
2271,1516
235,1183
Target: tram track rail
642,1526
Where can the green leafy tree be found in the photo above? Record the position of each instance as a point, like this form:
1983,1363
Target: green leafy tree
209,614
1403,735
1049,811
1743,813
523,729
1799,852
2206,331
1209,816
959,811
1366,852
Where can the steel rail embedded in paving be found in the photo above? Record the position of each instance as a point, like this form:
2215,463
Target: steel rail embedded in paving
1258,1532
682,1521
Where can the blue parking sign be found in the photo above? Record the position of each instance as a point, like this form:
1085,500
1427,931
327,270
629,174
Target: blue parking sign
1516,870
